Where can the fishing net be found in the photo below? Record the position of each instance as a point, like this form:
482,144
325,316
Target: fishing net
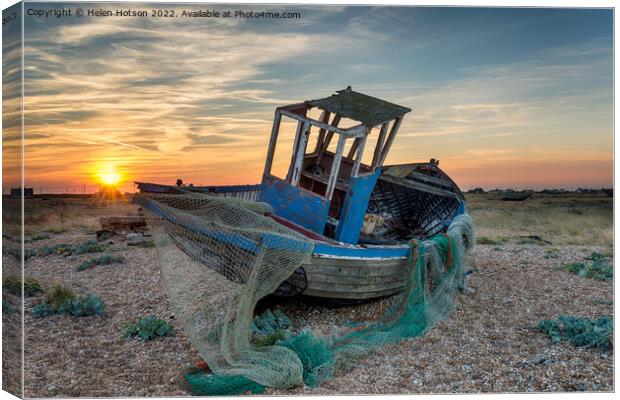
435,272
219,256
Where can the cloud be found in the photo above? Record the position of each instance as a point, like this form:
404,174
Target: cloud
142,93
208,140
121,89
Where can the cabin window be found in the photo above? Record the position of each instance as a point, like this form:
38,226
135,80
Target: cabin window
284,148
369,149
312,142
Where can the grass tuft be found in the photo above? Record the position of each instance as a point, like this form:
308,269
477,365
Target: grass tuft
596,266
103,260
62,300
38,236
59,295
552,253
486,240
599,257
533,239
580,331
7,307
13,285
149,244
91,246
148,328
16,253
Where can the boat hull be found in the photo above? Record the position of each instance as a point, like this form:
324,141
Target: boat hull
336,271
354,279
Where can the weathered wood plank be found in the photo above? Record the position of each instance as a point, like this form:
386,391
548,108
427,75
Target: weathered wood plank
320,279
358,158
319,143
429,179
390,140
314,122
358,269
329,294
333,175
354,270
328,138
122,222
366,263
353,148
272,142
419,186
301,151
338,287
379,146
298,134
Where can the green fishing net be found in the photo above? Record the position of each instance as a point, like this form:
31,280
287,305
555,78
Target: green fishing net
219,256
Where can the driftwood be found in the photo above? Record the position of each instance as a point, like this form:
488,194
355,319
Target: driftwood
534,239
127,223
111,226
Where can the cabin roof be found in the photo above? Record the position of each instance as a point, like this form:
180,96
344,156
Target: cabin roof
369,110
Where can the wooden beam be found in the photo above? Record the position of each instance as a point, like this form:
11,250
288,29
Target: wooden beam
325,119
358,157
333,175
379,146
299,109
390,140
353,148
430,179
316,123
298,132
328,139
296,106
418,186
355,131
301,152
272,142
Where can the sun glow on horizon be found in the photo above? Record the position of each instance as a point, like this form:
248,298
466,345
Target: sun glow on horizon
109,178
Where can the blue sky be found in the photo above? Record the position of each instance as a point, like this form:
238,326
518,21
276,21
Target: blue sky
503,97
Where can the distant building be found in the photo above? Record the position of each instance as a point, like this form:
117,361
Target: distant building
17,192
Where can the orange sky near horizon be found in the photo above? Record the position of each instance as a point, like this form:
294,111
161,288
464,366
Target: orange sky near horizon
151,102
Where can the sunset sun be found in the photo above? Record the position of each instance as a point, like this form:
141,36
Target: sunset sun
109,178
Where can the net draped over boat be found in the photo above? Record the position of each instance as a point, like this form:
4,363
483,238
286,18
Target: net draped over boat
219,256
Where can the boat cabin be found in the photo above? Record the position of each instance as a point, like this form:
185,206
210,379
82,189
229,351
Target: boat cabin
327,188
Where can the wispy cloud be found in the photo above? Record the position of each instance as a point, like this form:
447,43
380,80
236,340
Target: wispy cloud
557,104
142,95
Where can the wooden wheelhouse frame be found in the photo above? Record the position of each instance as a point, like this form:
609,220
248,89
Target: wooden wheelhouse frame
328,128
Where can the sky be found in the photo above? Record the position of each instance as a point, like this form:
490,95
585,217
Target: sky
503,97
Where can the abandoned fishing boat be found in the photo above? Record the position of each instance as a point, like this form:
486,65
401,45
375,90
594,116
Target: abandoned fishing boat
359,213
511,195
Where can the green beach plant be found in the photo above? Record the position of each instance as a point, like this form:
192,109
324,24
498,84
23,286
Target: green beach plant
148,328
